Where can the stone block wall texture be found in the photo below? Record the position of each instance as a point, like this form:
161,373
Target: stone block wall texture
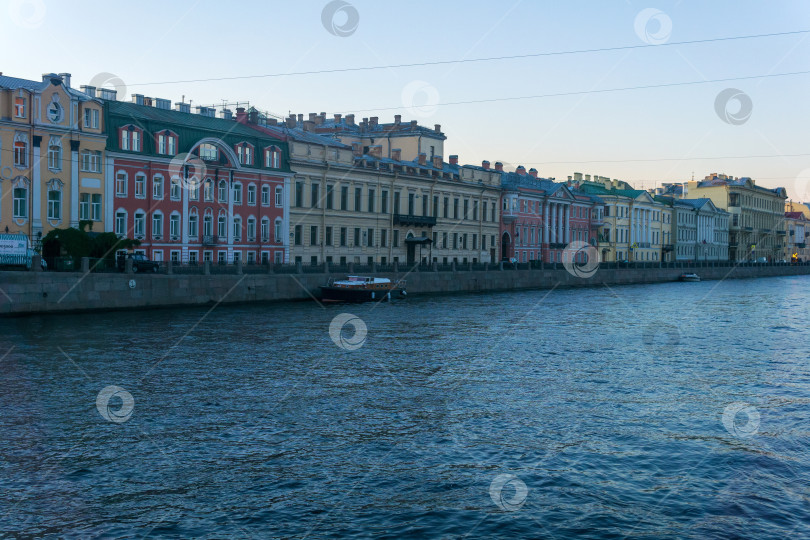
48,292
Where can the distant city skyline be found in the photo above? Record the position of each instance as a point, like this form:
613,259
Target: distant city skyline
665,131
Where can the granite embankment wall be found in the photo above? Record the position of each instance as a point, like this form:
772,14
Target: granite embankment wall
43,292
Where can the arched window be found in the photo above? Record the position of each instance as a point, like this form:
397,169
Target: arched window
174,225
166,143
208,190
121,222
265,195
20,150
208,223
20,198
223,191
265,229
55,153
121,184
193,223
222,225
237,228
272,157
174,189
193,188
157,187
251,229
55,200
279,196
130,138
244,151
139,224
251,194
237,193
140,185
278,229
157,225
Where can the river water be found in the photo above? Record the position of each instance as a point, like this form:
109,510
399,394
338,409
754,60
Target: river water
672,410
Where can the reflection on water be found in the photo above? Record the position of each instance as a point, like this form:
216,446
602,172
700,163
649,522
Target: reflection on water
674,410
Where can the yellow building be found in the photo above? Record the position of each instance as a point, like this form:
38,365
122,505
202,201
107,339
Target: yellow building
52,149
757,220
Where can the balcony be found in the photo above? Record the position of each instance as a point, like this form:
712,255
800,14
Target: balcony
640,245
508,216
667,248
415,221
209,240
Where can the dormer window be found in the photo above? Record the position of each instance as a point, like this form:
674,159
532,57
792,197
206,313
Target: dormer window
272,157
91,117
19,107
244,152
209,152
166,143
130,138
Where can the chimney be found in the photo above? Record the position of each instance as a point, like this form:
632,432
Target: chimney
300,118
137,99
226,114
291,121
253,116
521,170
337,118
397,118
350,119
569,177
89,90
422,159
485,165
148,101
272,121
454,160
437,128
181,106
51,77
533,172
499,166
163,104
112,95
438,163
587,177
414,123
322,117
357,149
396,154
312,116
375,151
373,121
309,125
578,176
241,115
65,79
208,112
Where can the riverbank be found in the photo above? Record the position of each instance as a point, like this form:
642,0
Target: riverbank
23,293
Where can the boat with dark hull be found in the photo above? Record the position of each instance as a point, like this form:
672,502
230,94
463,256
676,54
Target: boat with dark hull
362,289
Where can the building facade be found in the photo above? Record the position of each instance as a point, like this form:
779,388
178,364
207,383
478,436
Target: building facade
798,236
699,230
540,217
756,213
192,187
52,141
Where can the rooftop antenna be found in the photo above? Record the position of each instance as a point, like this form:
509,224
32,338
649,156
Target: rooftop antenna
183,99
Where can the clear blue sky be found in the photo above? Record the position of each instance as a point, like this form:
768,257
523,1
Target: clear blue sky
149,42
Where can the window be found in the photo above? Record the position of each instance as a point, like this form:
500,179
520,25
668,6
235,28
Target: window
19,107
91,118
208,190
244,152
54,201
384,201
223,191
237,228
396,238
313,235
91,161
343,235
297,235
140,224
265,195
370,200
20,153
140,186
370,237
174,189
411,197
136,141
424,205
272,157
446,207
193,189
358,197
237,193
96,207
251,195
157,187
314,195
174,225
328,236
222,226
299,194
344,198
157,224
277,230
55,153
208,223
455,208
121,223
121,184
330,196
251,229
383,238
279,196
265,230
356,236
209,152
193,223
84,206
167,143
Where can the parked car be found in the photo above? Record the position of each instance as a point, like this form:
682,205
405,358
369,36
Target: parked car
139,263
761,260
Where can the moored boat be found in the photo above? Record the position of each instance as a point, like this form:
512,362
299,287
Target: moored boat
362,289
689,277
